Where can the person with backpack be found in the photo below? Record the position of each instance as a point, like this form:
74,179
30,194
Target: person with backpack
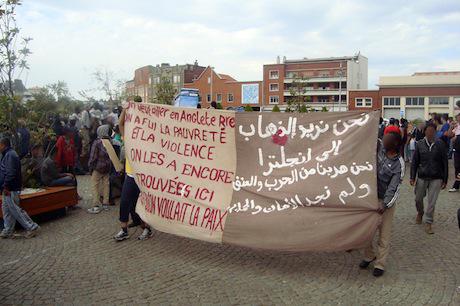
99,165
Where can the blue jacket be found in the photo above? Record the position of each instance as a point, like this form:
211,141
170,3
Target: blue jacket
10,171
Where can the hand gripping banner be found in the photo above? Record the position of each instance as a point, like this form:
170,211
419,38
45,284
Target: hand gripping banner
282,181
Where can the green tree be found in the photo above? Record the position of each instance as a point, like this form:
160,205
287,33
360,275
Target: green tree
14,52
219,106
248,108
324,109
165,92
303,109
297,97
275,109
41,106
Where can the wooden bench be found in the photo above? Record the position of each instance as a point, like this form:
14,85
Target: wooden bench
52,198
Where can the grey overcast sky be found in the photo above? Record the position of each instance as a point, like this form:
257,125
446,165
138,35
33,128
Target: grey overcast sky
73,38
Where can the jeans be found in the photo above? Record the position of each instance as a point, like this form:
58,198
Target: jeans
421,187
12,213
64,181
129,196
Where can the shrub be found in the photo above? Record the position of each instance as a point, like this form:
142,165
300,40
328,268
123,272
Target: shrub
248,108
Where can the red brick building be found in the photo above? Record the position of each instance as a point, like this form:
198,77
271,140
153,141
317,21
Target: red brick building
323,82
148,77
411,97
224,89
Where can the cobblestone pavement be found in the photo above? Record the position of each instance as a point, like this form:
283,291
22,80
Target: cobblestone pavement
76,261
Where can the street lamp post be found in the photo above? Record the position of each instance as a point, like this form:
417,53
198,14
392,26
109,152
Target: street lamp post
340,86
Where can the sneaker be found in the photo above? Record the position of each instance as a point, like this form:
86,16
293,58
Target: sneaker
378,272
364,263
6,235
105,207
32,233
146,234
453,190
122,235
94,210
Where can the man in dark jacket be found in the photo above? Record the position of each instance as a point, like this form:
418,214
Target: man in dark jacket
430,168
390,172
10,186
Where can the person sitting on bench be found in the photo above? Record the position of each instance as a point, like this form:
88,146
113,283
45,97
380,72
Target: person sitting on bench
50,174
31,167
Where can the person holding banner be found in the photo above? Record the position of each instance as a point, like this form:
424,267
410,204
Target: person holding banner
129,195
390,173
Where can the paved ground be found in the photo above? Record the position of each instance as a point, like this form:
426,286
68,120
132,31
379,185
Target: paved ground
75,261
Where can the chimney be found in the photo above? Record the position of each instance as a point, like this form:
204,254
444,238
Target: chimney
284,59
278,59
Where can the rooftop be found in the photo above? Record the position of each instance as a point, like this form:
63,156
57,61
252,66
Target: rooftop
422,79
325,59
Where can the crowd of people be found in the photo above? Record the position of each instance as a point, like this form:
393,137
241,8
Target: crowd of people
90,141
426,146
72,146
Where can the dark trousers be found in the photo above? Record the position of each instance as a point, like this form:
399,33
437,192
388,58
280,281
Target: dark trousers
129,195
457,169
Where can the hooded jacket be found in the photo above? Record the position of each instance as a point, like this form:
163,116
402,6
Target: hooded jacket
10,171
390,173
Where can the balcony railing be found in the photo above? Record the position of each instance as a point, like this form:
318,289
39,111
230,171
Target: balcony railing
320,92
315,79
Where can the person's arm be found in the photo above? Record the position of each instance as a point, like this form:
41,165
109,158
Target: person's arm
92,156
445,166
11,163
414,164
392,192
121,123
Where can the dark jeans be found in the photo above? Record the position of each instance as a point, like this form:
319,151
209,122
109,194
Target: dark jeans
457,169
64,181
129,196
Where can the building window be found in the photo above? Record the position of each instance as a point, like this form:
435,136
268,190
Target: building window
176,79
324,74
230,98
219,98
392,101
208,98
439,100
274,74
274,87
414,101
209,80
274,99
156,80
363,102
